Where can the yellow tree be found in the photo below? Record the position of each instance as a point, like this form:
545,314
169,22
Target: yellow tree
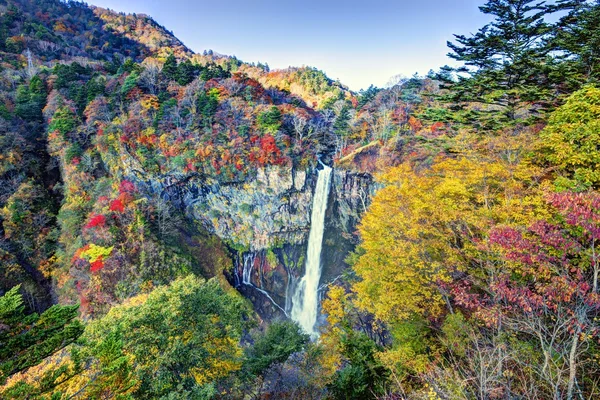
421,230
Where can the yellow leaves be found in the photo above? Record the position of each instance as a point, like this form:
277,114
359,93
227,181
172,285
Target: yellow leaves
225,358
94,252
333,306
424,225
150,102
336,307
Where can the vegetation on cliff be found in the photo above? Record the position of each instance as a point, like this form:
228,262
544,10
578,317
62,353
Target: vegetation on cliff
477,271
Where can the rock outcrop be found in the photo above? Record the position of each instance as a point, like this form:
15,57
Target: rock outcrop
266,220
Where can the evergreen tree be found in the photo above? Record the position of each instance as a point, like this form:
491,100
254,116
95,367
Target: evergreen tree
270,121
505,77
578,38
280,341
186,72
207,104
365,96
31,99
340,126
25,340
363,377
169,69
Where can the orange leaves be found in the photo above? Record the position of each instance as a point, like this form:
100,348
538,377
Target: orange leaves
61,27
415,124
204,152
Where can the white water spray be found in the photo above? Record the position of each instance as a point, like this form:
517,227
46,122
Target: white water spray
305,302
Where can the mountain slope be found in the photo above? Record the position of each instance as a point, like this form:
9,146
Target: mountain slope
108,108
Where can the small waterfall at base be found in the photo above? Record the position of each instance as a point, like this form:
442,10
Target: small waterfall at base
247,269
305,302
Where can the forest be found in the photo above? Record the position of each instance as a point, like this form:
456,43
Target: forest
159,216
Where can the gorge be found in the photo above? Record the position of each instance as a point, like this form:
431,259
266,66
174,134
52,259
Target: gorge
183,225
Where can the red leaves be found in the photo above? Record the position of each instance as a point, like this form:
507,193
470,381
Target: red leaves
547,267
126,187
97,265
268,153
579,209
268,145
117,206
436,127
98,220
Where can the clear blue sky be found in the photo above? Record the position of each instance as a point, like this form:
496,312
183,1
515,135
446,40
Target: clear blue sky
358,42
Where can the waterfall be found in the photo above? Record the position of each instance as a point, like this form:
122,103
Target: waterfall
305,302
247,269
247,266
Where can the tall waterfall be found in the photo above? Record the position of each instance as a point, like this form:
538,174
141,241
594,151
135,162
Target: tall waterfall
305,302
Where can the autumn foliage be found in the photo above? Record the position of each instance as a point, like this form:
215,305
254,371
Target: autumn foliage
96,221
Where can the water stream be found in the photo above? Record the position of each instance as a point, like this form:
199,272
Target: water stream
305,302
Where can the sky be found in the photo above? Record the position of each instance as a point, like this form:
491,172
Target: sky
358,42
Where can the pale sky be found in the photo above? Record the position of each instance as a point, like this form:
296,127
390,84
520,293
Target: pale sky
358,42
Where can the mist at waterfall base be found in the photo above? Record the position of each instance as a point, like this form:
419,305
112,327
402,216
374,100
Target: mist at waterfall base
305,302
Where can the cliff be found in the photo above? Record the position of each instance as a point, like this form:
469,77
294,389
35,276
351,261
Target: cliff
265,221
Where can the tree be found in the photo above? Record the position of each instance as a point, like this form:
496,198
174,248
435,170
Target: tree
419,233
366,96
64,121
31,99
183,337
280,341
149,77
169,68
505,74
545,286
578,39
572,138
186,72
207,105
25,340
269,121
364,377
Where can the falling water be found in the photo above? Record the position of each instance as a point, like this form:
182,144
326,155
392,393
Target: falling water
305,302
247,269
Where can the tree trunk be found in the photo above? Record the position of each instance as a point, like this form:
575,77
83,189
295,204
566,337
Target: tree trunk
572,364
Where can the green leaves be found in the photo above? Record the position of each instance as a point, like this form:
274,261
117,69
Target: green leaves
180,338
506,77
25,340
31,99
64,121
572,140
269,121
280,341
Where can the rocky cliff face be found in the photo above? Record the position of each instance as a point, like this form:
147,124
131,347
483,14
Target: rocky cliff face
266,221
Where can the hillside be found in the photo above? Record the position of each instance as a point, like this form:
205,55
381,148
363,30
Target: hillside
177,225
92,96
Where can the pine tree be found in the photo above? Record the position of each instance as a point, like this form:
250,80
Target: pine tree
340,126
169,69
186,72
578,38
31,99
504,78
25,340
